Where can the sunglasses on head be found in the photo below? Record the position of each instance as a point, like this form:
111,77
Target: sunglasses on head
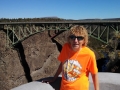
73,37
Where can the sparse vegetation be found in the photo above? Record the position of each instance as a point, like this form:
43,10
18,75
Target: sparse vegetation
31,19
113,64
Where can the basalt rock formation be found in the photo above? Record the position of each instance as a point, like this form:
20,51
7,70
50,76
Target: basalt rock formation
32,59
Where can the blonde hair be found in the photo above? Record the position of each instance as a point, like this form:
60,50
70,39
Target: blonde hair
79,30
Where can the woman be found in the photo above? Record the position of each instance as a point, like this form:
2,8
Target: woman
77,61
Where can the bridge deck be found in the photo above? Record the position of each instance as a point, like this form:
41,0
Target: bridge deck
67,21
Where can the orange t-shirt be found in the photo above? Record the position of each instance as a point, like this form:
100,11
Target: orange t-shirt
76,67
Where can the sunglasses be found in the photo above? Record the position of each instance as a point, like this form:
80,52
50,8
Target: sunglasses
73,37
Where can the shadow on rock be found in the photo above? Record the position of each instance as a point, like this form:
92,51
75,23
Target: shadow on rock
56,84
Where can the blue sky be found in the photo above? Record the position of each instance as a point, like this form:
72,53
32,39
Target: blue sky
67,9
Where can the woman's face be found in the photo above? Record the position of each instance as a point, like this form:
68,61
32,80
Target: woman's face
76,42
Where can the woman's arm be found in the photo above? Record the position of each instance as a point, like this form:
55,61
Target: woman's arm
95,81
58,71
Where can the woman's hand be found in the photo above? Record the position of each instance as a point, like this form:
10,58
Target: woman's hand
49,80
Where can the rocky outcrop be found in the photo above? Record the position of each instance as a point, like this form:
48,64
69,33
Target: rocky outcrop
11,70
34,58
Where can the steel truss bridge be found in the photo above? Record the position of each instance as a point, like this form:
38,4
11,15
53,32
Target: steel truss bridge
18,31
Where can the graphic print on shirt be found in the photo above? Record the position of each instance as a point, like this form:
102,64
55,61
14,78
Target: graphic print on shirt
71,70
